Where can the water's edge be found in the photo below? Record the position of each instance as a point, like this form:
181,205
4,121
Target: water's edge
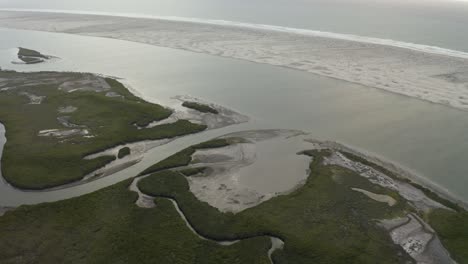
300,31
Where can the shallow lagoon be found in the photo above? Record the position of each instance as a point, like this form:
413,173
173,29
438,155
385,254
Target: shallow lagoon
429,139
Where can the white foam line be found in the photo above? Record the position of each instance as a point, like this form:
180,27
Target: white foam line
299,31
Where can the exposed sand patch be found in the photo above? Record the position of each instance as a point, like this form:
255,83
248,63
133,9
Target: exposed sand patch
63,133
377,197
225,117
412,194
430,73
33,99
67,109
418,239
137,152
85,82
114,94
65,121
244,175
144,201
390,166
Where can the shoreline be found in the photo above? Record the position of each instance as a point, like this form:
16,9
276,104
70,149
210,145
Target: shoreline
303,31
371,62
400,171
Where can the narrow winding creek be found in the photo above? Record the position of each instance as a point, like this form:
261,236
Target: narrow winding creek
11,196
276,243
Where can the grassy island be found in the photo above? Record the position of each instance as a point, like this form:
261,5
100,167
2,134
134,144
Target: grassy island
200,107
53,120
123,152
30,56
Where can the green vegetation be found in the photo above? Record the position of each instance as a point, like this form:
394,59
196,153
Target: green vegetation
200,107
30,53
123,152
107,227
181,158
184,157
30,56
434,196
452,229
193,171
31,161
214,143
322,222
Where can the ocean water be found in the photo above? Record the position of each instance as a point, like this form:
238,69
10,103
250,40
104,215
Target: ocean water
428,139
439,23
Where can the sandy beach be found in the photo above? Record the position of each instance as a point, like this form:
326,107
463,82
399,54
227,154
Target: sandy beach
429,73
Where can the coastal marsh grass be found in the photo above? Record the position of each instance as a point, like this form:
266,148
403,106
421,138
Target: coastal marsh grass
107,227
31,161
123,152
452,229
184,157
450,226
321,222
193,171
30,56
30,53
200,107
432,195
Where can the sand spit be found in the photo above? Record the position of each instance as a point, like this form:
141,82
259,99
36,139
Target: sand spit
225,116
402,172
428,73
418,239
412,194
